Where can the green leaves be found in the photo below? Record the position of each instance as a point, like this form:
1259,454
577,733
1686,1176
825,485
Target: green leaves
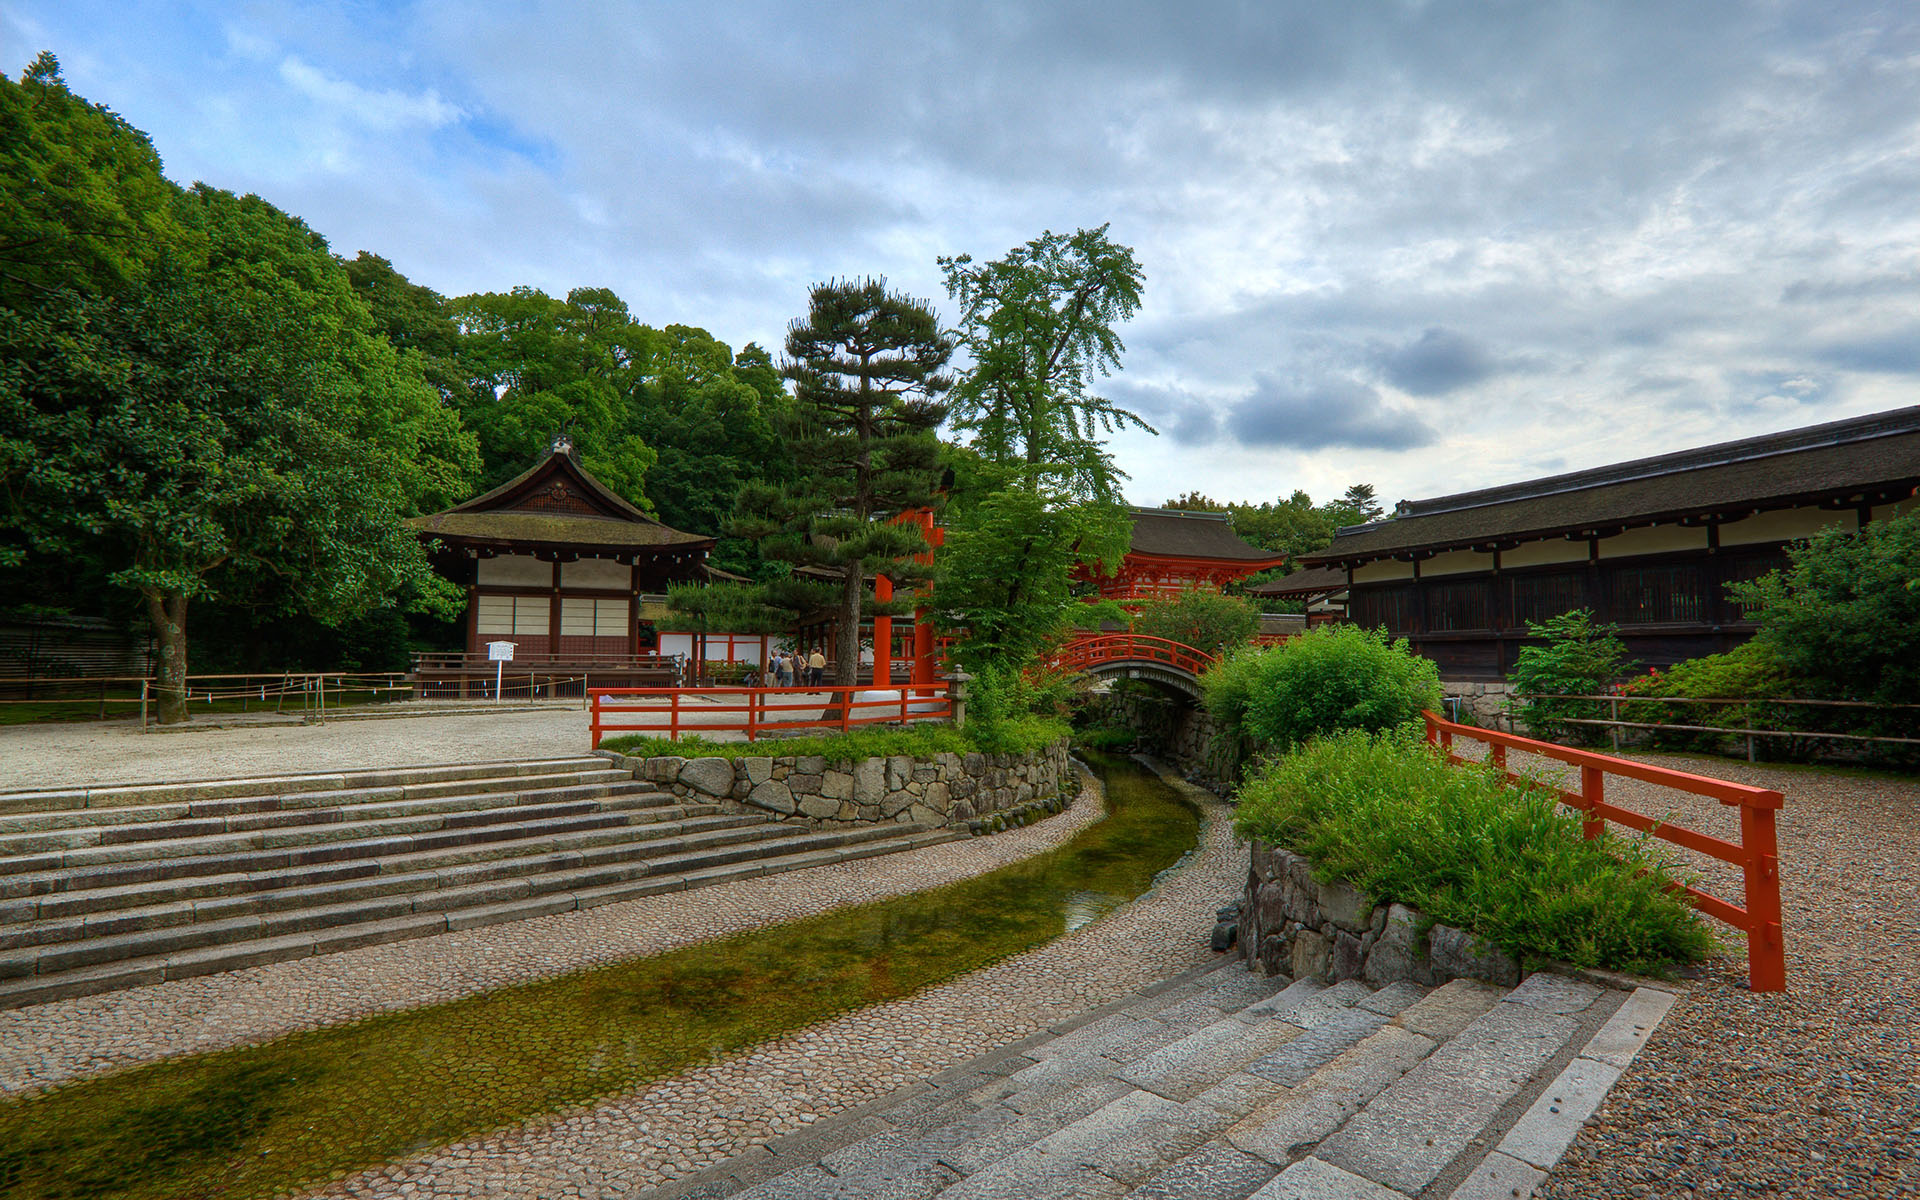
1580,658
1844,616
1039,326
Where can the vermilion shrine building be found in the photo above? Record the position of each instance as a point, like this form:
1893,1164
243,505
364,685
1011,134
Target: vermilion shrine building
1174,551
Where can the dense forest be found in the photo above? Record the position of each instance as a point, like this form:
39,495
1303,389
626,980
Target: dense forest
205,410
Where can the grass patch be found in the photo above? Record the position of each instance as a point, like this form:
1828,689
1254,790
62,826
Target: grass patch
1391,817
289,1114
1020,735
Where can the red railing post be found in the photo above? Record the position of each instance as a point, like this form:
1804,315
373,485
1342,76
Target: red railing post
596,722
673,718
846,707
753,706
1766,947
1593,793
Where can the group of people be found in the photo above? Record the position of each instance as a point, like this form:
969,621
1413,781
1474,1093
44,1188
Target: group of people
786,668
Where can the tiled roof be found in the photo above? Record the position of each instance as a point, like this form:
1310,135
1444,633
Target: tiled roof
1303,582
1878,454
561,528
1171,533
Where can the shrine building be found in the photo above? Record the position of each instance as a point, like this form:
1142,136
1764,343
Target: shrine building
1173,551
556,564
1647,545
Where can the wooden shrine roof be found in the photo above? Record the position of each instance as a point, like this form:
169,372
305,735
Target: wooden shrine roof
1875,458
1305,582
556,503
1173,533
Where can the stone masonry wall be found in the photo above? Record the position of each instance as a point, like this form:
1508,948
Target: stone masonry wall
958,790
1484,703
1292,925
1183,734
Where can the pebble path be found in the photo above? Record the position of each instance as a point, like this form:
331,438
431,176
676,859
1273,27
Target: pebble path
675,1128
1808,1093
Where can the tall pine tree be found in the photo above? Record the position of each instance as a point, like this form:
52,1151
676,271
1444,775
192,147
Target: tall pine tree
867,367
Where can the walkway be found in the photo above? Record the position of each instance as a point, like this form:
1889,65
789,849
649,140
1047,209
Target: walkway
82,754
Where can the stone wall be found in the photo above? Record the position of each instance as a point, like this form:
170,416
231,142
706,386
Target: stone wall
1182,733
1292,925
958,790
1483,704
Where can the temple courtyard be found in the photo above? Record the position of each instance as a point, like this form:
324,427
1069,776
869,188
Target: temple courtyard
1125,1042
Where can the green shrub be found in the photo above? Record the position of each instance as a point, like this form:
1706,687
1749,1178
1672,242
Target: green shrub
1332,678
1845,614
1389,816
1205,620
1579,659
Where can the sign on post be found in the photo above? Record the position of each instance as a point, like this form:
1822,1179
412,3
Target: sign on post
500,654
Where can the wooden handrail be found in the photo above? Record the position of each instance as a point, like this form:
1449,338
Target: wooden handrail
757,711
1757,852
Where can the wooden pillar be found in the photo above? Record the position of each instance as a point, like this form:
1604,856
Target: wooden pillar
882,634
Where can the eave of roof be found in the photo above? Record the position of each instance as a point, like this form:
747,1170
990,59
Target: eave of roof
554,529
1303,582
1874,457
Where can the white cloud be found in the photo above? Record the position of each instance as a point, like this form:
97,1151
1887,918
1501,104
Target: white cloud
382,110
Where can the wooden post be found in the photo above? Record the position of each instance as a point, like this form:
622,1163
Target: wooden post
143,703
594,723
323,697
1766,949
1593,792
882,634
753,714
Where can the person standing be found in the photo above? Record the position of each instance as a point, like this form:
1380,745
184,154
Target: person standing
816,667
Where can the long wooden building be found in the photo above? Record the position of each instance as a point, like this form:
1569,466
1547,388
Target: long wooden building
1649,545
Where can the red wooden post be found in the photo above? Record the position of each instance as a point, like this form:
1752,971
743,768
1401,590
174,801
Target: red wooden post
596,722
673,718
882,634
1498,756
1766,948
753,712
1593,791
846,708
1433,731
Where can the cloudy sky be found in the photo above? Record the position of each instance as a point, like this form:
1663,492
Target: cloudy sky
1431,246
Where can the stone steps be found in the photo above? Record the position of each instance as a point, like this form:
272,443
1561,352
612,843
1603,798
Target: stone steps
187,880
1225,1085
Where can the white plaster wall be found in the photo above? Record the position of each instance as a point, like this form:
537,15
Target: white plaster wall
1656,539
1544,553
596,573
1383,571
1784,524
515,570
1456,562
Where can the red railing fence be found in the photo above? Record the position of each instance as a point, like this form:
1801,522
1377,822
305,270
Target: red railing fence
1757,852
755,711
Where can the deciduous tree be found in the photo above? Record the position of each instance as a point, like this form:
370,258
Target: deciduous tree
1040,326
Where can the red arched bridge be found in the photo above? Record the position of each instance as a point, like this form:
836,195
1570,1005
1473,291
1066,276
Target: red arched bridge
1135,656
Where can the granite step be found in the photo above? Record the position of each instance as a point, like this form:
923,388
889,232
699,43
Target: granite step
109,963
86,846
1223,1085
72,916
37,800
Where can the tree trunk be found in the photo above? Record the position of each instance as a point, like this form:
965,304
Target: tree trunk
846,669
168,611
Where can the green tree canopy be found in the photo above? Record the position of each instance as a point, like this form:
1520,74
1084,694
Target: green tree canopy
1040,328
84,201
1844,616
222,421
867,364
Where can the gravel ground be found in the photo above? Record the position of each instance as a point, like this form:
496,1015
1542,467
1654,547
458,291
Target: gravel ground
85,754
48,1043
677,1127
1811,1092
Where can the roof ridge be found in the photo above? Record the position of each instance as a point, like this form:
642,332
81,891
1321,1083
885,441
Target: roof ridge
1789,441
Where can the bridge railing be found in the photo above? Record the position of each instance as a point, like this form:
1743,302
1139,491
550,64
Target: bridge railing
1086,653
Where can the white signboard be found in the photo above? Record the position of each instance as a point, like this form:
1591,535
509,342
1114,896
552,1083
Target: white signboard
499,651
